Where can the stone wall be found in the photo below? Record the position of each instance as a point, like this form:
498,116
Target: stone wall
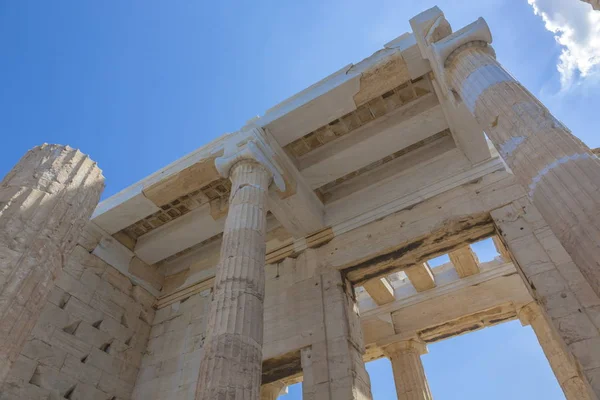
170,366
309,313
90,337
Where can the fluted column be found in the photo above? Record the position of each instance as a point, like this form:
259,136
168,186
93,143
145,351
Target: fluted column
559,172
45,201
563,364
409,375
271,391
232,363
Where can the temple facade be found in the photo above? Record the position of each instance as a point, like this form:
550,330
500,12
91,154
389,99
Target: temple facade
296,249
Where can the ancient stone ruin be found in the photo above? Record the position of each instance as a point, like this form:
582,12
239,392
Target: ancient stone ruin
297,248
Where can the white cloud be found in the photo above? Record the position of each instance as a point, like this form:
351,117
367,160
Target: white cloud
576,28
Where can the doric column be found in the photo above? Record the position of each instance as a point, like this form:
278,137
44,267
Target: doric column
232,363
45,201
559,172
561,361
272,391
409,375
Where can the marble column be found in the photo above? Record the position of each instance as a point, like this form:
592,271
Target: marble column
232,364
558,171
271,391
561,361
45,201
409,375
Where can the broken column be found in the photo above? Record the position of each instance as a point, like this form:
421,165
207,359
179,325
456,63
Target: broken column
409,375
45,201
232,363
560,173
561,361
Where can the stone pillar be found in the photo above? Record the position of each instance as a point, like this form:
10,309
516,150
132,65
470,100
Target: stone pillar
232,363
333,366
559,172
45,201
272,391
565,296
409,375
561,361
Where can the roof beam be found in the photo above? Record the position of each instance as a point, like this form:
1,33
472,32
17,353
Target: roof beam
421,277
465,261
466,132
427,312
380,290
371,142
415,234
298,209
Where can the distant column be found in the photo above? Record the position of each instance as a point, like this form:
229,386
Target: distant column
45,201
271,391
561,361
409,375
232,364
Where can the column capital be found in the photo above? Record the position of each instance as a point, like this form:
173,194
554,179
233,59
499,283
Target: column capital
403,346
271,391
440,45
475,34
528,313
247,144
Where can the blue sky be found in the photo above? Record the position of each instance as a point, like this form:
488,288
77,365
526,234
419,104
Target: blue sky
138,84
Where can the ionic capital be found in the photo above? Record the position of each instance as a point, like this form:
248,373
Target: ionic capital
246,145
405,346
475,34
440,45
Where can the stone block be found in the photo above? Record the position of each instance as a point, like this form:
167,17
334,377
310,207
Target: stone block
142,296
549,282
21,372
78,310
82,371
576,327
148,373
70,344
91,335
115,386
27,391
58,297
54,316
44,353
90,280
561,304
114,328
104,361
129,373
90,236
74,287
585,294
89,392
587,352
118,280
106,306
51,379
